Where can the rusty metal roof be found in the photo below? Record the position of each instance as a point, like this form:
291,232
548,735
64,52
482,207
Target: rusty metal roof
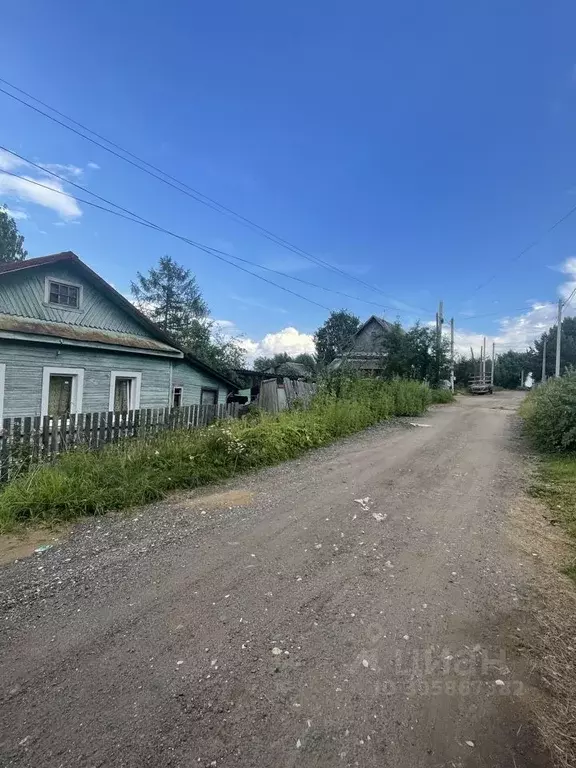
75,333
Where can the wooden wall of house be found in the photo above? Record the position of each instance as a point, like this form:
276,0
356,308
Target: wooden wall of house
24,369
23,293
370,339
193,380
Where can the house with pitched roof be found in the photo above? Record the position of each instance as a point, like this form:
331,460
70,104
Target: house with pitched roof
367,350
70,343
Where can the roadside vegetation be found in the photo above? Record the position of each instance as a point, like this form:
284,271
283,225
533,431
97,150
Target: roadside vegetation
549,416
139,471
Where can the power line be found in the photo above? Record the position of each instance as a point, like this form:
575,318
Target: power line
569,299
207,247
524,251
175,183
150,225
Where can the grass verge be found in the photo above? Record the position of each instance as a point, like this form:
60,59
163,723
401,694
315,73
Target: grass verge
139,471
555,485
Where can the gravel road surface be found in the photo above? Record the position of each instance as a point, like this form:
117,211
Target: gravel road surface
275,621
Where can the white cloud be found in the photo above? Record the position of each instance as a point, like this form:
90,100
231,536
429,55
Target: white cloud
16,215
8,162
289,340
47,196
68,171
518,332
93,166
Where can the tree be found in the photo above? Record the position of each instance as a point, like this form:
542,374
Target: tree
567,349
307,360
207,342
464,369
170,296
334,338
511,368
265,363
11,241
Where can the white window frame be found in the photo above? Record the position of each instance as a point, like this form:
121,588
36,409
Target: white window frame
48,280
77,393
134,391
2,387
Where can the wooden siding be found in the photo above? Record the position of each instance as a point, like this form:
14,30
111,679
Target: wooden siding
370,340
25,361
22,294
192,380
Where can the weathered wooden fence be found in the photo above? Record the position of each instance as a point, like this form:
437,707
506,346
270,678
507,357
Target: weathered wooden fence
32,440
274,398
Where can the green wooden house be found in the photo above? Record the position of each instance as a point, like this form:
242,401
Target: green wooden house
70,343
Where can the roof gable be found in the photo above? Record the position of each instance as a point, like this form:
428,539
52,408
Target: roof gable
69,260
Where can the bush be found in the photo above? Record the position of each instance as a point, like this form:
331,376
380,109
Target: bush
138,471
441,396
549,414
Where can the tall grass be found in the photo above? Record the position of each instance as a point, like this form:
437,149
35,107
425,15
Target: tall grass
138,471
549,414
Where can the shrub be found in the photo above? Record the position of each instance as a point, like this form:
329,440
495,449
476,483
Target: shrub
441,396
549,414
138,471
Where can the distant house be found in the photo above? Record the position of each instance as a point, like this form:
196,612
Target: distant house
367,348
70,343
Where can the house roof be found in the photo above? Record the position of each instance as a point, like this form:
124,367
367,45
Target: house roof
111,293
384,324
32,326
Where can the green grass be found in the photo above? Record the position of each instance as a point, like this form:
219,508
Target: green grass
441,396
549,415
139,471
556,485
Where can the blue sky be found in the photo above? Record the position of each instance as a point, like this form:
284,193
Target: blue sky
418,146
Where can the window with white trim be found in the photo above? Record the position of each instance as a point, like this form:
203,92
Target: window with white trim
62,391
125,390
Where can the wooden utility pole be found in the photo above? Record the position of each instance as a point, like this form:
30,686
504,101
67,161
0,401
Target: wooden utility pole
493,360
484,359
452,354
439,323
558,338
544,360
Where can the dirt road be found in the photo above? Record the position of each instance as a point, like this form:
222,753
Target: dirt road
281,623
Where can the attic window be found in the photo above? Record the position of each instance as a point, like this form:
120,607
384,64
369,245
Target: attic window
64,294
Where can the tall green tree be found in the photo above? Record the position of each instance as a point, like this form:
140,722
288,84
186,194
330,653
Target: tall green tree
567,349
512,367
265,363
334,337
169,295
11,241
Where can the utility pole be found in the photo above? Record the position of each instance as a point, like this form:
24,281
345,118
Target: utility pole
493,359
544,360
522,378
452,354
484,361
439,322
558,338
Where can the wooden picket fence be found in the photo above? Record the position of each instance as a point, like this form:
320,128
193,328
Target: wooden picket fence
35,439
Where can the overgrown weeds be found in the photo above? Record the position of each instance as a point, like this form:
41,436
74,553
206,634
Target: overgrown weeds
138,471
549,414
